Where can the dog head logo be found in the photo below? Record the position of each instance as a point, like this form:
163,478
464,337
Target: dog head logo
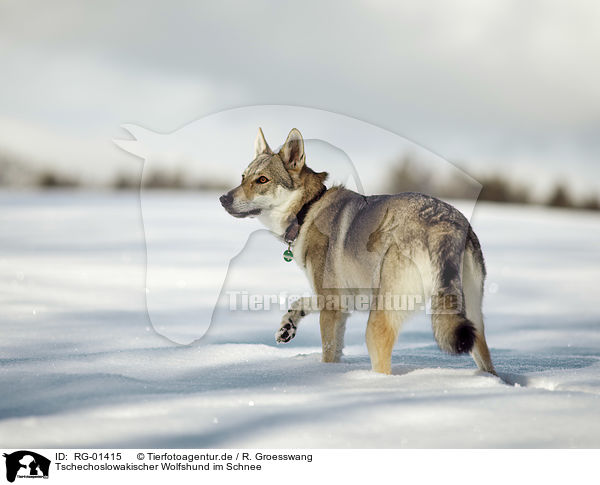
26,463
216,147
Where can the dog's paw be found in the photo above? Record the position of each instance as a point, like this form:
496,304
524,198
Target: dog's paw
286,333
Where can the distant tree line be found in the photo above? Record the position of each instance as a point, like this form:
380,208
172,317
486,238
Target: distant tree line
166,180
410,176
16,173
407,175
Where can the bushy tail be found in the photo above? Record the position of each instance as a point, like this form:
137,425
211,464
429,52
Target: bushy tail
452,330
454,334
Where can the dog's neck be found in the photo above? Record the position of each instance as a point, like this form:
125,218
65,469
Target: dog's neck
292,230
283,218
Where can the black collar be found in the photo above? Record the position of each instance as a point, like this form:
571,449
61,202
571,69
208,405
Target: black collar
292,231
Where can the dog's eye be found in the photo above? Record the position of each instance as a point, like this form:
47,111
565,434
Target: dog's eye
262,180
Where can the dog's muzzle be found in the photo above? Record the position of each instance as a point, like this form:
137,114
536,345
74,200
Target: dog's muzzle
227,201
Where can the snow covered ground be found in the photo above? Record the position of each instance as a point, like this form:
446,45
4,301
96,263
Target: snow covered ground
82,366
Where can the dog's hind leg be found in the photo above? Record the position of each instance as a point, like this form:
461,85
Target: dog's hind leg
473,274
399,277
289,322
481,354
381,336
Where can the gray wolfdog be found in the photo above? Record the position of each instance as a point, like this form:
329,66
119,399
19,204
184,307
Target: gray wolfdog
377,247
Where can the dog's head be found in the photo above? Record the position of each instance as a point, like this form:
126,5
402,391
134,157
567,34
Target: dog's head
275,184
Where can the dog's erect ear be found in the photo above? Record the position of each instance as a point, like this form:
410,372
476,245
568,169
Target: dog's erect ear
292,151
260,145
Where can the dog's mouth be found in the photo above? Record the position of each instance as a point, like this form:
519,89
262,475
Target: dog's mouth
241,215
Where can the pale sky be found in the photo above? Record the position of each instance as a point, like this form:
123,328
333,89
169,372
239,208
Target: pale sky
507,86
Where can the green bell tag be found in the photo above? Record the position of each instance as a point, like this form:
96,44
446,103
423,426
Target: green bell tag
287,254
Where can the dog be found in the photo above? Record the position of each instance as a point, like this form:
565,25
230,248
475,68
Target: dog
353,246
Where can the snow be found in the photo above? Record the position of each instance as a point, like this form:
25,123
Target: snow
82,366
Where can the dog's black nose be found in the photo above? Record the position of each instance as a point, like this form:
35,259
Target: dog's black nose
226,200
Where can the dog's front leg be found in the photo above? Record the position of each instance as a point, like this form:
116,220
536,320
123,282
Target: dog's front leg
333,327
289,322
